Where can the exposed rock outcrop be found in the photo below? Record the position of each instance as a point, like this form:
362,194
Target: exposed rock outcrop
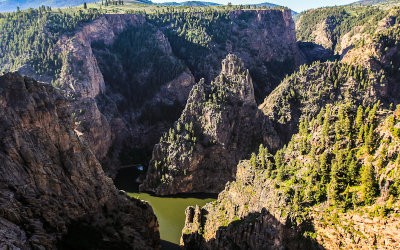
53,191
313,52
219,126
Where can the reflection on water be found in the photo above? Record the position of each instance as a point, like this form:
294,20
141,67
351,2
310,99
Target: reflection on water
170,211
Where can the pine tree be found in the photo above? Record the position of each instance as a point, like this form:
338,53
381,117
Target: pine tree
323,163
261,156
359,117
253,160
369,140
368,183
352,172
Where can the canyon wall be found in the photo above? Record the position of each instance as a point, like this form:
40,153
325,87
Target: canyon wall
53,191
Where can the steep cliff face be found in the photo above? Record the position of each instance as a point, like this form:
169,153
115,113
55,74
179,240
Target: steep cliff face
147,82
82,80
380,53
53,191
342,28
219,126
110,100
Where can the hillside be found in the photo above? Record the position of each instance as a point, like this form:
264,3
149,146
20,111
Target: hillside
11,5
271,5
189,3
370,2
323,189
341,28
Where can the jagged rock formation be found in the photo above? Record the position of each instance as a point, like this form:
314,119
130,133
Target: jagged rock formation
219,126
53,191
334,181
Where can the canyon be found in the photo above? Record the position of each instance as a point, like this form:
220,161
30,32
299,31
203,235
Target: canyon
294,126
101,82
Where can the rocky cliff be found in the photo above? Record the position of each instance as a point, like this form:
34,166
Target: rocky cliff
247,215
342,28
82,80
219,126
53,191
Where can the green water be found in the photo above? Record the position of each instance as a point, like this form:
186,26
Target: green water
170,212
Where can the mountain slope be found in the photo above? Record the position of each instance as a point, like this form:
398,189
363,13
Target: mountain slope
11,5
328,186
190,3
336,182
370,2
271,5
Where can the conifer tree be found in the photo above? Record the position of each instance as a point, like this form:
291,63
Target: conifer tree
368,185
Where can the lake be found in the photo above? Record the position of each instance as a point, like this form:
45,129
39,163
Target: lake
170,211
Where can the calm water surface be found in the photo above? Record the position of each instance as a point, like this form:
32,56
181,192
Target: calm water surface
170,211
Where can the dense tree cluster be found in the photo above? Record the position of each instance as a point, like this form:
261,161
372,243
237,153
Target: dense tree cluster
347,156
339,21
30,37
306,90
180,138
